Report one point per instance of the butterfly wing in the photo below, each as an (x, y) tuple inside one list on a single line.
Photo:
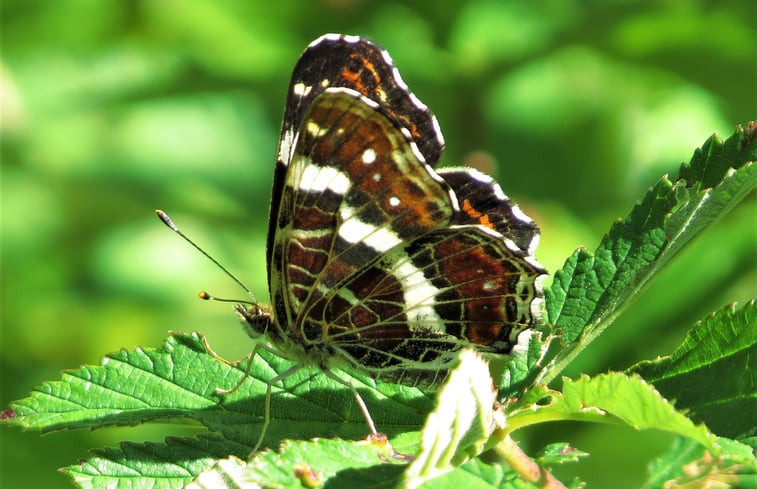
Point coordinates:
[(483, 202), (356, 187), (359, 64), (379, 265)]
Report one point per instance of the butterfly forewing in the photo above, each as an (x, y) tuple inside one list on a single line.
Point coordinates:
[(359, 64), (356, 188)]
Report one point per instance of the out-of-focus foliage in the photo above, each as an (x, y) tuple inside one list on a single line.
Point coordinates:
[(109, 110)]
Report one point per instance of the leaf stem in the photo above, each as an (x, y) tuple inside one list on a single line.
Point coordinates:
[(524, 466)]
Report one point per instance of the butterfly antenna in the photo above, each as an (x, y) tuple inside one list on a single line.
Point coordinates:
[(204, 295), (207, 297)]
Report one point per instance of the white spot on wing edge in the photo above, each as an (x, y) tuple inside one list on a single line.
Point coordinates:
[(398, 78), (520, 214), (323, 38), (479, 175), (417, 102), (437, 130), (387, 57), (285, 146), (301, 90)]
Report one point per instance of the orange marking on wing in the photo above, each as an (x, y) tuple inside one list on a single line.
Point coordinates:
[(483, 219), (349, 75), (370, 67)]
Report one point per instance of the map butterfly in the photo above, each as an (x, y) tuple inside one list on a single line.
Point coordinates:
[(377, 262)]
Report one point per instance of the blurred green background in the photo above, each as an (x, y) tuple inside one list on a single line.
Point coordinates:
[(113, 109)]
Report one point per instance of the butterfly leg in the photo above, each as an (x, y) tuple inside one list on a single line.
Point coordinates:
[(267, 411), (249, 357), (360, 402), (215, 355)]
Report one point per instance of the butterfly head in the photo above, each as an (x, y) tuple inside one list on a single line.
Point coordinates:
[(256, 319)]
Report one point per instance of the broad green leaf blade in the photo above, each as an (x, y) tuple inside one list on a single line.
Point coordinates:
[(615, 398), (713, 373), (308, 404), (592, 288), (461, 423), (687, 462), (299, 464), (172, 464), (128, 388), (179, 380)]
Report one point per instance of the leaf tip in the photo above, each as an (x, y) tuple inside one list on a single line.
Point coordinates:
[(749, 134)]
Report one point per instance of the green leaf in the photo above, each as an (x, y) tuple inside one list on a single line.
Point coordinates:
[(179, 381), (614, 398), (712, 374), (128, 388), (518, 370), (337, 464), (461, 423), (592, 288), (152, 465), (687, 462), (477, 474), (300, 464)]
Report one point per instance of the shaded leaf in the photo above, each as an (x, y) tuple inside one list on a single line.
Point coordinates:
[(179, 381), (151, 465), (687, 464), (712, 373)]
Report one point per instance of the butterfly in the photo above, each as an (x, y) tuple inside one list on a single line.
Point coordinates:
[(378, 262)]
